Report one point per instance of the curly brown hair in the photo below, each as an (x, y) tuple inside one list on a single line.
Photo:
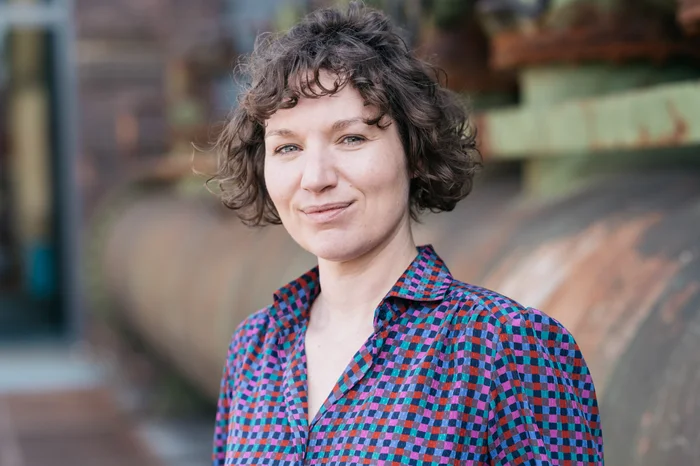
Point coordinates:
[(361, 48)]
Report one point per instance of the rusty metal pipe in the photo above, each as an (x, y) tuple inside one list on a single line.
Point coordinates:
[(618, 264)]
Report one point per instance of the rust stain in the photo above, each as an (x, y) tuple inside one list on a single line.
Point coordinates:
[(643, 445), (463, 53), (644, 442), (572, 277), (596, 35), (676, 136), (680, 126), (689, 16), (644, 136), (674, 304)]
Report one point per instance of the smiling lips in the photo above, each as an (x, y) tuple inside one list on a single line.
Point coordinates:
[(325, 212)]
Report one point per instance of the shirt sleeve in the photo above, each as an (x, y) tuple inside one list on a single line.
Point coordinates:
[(543, 407), (222, 413)]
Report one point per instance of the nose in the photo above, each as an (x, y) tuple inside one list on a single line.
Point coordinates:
[(319, 170)]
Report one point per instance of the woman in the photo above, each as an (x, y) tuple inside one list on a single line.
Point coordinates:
[(378, 355)]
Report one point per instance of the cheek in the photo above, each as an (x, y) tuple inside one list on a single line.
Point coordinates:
[(390, 180), (276, 184)]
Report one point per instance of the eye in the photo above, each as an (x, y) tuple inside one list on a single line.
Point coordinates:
[(286, 149), (352, 140)]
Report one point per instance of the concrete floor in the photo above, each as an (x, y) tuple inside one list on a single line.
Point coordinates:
[(59, 406)]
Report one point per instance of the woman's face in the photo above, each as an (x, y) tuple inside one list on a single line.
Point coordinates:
[(340, 186)]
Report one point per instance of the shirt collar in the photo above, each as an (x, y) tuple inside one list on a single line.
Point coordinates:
[(426, 279)]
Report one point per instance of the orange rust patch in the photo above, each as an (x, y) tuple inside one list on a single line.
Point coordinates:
[(596, 283), (676, 136), (689, 16), (670, 309), (598, 36)]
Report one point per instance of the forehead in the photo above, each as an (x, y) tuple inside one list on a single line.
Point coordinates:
[(323, 110), (347, 103)]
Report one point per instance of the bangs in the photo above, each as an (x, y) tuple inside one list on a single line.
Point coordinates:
[(306, 83)]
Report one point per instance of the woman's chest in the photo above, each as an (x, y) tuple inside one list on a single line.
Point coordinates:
[(327, 358), (385, 409)]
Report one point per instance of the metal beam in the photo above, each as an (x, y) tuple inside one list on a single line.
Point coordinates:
[(659, 117), (69, 201)]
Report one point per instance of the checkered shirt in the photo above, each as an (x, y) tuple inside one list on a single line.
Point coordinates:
[(454, 374)]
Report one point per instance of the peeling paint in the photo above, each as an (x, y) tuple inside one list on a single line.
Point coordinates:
[(621, 121), (677, 135), (583, 31)]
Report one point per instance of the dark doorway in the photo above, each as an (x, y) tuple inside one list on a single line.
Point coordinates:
[(37, 261), (29, 304)]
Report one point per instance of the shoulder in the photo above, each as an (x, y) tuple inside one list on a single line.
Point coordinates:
[(508, 320), (474, 304), (249, 334), (255, 323)]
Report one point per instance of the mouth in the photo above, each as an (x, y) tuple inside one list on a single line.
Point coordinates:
[(326, 212)]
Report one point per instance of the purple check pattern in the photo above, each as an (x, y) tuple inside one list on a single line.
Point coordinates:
[(454, 374)]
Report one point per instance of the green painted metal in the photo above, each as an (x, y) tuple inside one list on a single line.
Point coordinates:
[(657, 117), (569, 113), (547, 85)]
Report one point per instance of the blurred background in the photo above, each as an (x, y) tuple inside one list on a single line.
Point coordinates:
[(122, 278)]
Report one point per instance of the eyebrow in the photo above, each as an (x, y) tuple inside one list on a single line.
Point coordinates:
[(337, 126), (279, 132), (342, 124)]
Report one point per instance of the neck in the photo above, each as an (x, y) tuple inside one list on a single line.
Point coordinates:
[(350, 291)]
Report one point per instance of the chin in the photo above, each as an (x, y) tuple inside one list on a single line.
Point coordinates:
[(336, 246)]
